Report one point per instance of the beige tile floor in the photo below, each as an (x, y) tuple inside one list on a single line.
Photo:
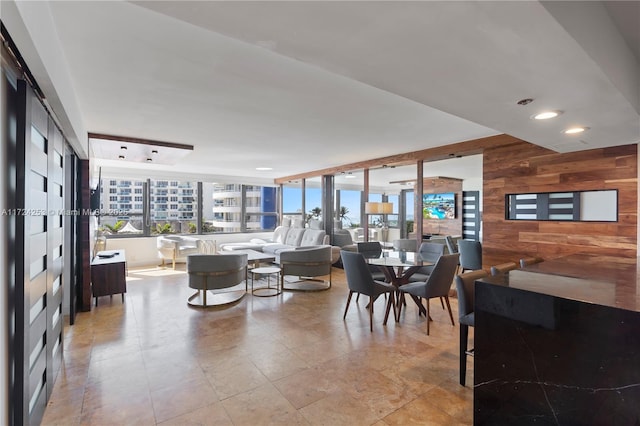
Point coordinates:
[(289, 359)]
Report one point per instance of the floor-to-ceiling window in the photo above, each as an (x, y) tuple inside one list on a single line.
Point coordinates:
[(121, 207), (133, 207), (313, 199)]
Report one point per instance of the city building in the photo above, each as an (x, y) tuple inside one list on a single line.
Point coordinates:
[(170, 202)]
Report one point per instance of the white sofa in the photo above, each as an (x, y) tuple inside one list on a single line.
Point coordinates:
[(284, 238), (176, 248), (288, 238)]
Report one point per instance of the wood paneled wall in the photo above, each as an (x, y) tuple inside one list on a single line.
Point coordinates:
[(436, 185), (523, 167)]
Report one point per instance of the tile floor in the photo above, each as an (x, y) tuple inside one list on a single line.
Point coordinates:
[(289, 359)]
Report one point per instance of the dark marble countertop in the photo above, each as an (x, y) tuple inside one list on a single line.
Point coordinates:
[(582, 277)]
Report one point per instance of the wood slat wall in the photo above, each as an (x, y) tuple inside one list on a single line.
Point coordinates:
[(522, 167)]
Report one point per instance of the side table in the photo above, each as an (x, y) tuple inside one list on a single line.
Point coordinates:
[(268, 290), (108, 274)]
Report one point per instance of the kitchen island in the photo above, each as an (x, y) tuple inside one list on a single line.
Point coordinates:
[(559, 343)]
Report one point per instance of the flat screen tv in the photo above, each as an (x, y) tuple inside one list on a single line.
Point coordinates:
[(439, 206)]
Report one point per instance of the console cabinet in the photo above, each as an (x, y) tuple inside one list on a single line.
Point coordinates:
[(108, 274)]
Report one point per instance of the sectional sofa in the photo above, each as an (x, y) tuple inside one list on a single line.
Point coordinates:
[(284, 238)]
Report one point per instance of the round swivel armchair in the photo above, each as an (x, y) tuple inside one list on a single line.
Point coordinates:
[(209, 272)]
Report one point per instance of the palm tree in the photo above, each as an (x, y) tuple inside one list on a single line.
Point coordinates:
[(164, 229), (115, 227), (343, 215), (315, 212)]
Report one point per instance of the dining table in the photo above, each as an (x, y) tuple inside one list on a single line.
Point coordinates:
[(398, 266)]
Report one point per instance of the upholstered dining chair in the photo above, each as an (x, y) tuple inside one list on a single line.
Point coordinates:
[(405, 244), (530, 260), (359, 281), (429, 252), (372, 249), (466, 317), (451, 244), (503, 268), (470, 255), (214, 272), (437, 285)]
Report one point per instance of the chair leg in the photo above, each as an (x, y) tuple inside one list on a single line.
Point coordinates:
[(173, 259), (346, 307), (446, 298), (464, 334), (390, 302), (428, 317), (357, 297), (442, 302), (371, 299)]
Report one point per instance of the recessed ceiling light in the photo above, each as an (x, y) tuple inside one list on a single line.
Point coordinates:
[(123, 148), (149, 160), (574, 130), (155, 151), (264, 168), (121, 157), (545, 115)]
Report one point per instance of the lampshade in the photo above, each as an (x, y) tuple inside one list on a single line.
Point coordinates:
[(373, 207), (387, 208)]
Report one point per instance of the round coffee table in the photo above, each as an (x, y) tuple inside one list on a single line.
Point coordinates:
[(268, 290)]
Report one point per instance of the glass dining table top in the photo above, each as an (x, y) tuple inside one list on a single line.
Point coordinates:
[(395, 258)]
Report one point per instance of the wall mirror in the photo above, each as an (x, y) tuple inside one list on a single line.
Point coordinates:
[(573, 206)]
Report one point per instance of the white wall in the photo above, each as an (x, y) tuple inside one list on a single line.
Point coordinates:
[(33, 31)]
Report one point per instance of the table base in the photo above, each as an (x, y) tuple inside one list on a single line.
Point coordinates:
[(307, 285), (206, 298), (267, 291)]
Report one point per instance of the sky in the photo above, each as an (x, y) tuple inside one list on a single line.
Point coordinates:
[(348, 198)]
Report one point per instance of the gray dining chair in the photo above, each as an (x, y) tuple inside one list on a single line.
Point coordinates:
[(470, 255), (372, 249), (466, 317), (451, 244), (359, 281), (405, 244), (429, 252), (437, 285)]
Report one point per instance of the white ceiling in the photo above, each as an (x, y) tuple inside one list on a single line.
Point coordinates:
[(301, 86)]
